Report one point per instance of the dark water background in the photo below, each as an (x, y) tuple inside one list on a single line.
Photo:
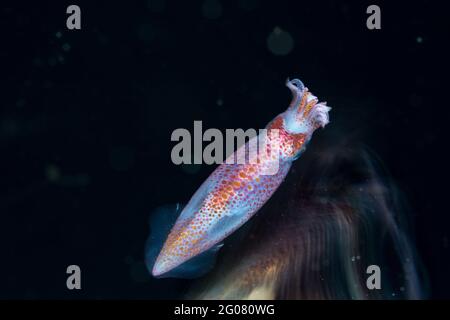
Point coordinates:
[(86, 118)]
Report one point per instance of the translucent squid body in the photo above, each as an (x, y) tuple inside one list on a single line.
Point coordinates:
[(233, 193)]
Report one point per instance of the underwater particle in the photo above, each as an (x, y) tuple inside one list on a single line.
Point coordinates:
[(419, 39), (52, 61), (20, 103), (146, 32), (83, 179), (66, 47), (78, 180), (219, 102), (212, 9), (47, 84), (58, 34), (53, 173), (156, 6), (37, 62), (102, 38), (121, 158), (345, 9), (280, 42), (138, 272), (190, 168), (9, 127), (30, 294), (415, 100), (248, 5), (402, 289), (129, 260)]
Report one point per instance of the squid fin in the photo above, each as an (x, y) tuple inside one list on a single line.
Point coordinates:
[(161, 222)]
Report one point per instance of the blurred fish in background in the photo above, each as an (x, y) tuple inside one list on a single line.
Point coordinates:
[(337, 214)]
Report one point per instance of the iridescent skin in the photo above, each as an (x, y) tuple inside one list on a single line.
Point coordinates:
[(233, 193)]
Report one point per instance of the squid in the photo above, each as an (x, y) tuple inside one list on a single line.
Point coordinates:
[(234, 192)]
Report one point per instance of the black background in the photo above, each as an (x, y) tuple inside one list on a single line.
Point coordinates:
[(86, 119)]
